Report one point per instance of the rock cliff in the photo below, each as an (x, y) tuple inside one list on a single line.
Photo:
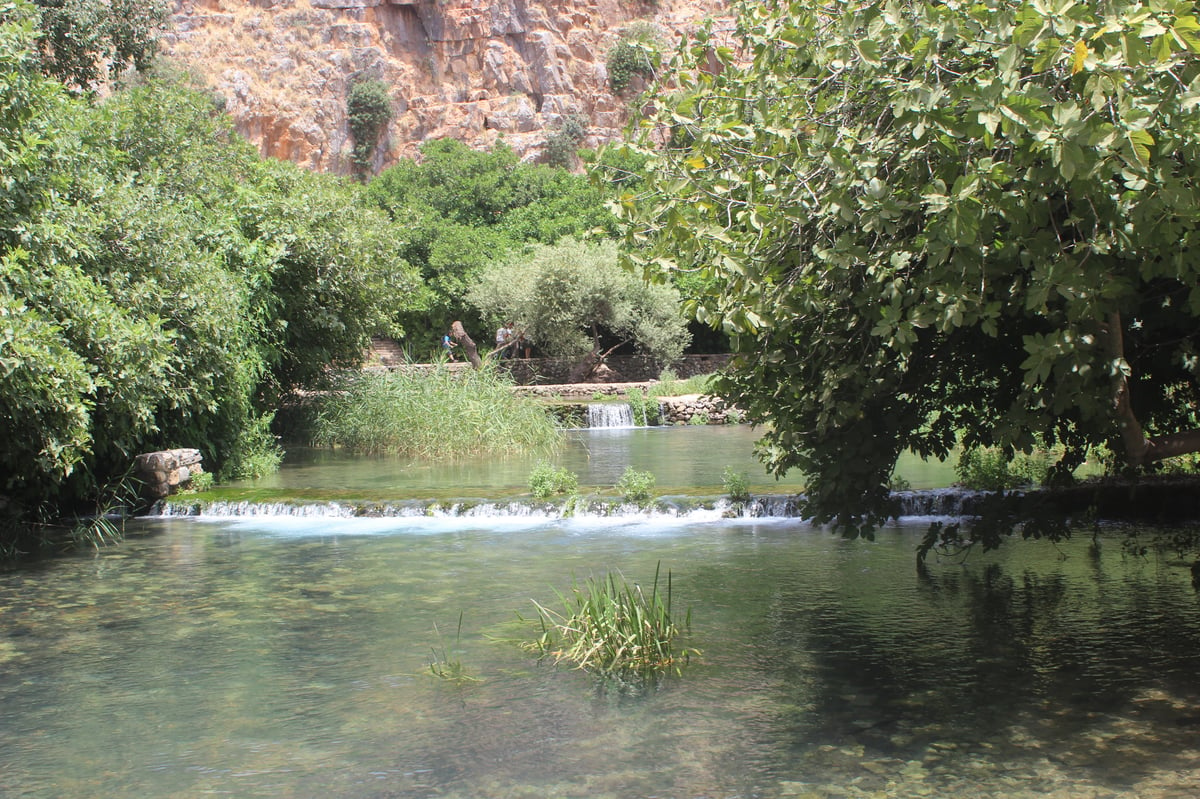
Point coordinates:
[(467, 69)]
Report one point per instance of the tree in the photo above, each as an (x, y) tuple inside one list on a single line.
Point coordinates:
[(462, 209), (575, 301), (86, 41), (160, 284), (936, 223)]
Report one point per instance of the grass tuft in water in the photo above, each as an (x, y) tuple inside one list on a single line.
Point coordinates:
[(445, 667), (441, 414), (613, 629)]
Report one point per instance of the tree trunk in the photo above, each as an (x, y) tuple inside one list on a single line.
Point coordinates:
[(459, 334), (582, 370), (1139, 450)]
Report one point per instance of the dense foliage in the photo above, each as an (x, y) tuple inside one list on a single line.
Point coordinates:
[(636, 53), (574, 300), (160, 285), (930, 223), (460, 209), (368, 110), (82, 42)]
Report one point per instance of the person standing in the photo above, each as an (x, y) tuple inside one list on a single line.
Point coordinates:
[(503, 337)]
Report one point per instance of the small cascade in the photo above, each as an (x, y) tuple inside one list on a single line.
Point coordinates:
[(941, 503), (610, 415)]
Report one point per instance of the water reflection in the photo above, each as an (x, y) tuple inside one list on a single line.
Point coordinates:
[(285, 658), (681, 459)]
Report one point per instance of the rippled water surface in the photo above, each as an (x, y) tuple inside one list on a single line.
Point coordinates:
[(290, 657)]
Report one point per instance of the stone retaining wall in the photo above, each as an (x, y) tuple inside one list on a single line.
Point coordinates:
[(547, 371), (686, 409), (697, 409), (621, 369)]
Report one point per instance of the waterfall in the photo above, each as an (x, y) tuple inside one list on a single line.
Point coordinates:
[(609, 414)]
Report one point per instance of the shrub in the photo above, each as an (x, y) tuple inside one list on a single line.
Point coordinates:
[(989, 469), (545, 481), (368, 110), (636, 486), (637, 53), (561, 145), (736, 485)]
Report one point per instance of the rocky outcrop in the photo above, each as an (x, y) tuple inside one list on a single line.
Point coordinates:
[(477, 71), (165, 472)]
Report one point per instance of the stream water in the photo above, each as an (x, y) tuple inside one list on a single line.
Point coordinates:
[(291, 657)]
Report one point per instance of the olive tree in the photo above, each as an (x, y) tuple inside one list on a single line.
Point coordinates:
[(933, 223), (575, 301)]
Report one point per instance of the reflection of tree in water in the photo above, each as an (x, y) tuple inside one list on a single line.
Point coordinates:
[(1086, 668)]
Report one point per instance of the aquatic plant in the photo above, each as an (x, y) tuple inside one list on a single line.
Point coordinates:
[(640, 406), (636, 485), (442, 665), (611, 628), (736, 485), (545, 480), (438, 414)]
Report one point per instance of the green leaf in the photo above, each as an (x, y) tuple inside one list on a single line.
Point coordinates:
[(1141, 141)]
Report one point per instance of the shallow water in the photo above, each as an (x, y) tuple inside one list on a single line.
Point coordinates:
[(682, 459), (290, 657)]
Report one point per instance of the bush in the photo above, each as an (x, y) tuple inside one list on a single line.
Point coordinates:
[(368, 110), (736, 485), (637, 53), (545, 481), (561, 145), (989, 469), (636, 486)]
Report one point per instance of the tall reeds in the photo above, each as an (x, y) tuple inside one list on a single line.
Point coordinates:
[(437, 414)]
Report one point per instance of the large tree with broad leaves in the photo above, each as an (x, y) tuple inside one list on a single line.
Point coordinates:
[(932, 224)]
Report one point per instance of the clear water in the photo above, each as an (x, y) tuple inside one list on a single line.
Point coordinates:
[(682, 459), (286, 657), (291, 656)]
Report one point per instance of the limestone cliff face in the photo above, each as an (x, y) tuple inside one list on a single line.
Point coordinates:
[(473, 70)]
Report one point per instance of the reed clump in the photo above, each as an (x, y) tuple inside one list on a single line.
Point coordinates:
[(439, 414), (614, 629)]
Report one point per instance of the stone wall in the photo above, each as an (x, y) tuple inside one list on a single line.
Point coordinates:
[(697, 409), (620, 369)]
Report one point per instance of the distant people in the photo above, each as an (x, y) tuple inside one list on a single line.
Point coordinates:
[(522, 346), (503, 338), (448, 345)]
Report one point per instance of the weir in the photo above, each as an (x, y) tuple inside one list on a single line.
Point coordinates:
[(949, 503)]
